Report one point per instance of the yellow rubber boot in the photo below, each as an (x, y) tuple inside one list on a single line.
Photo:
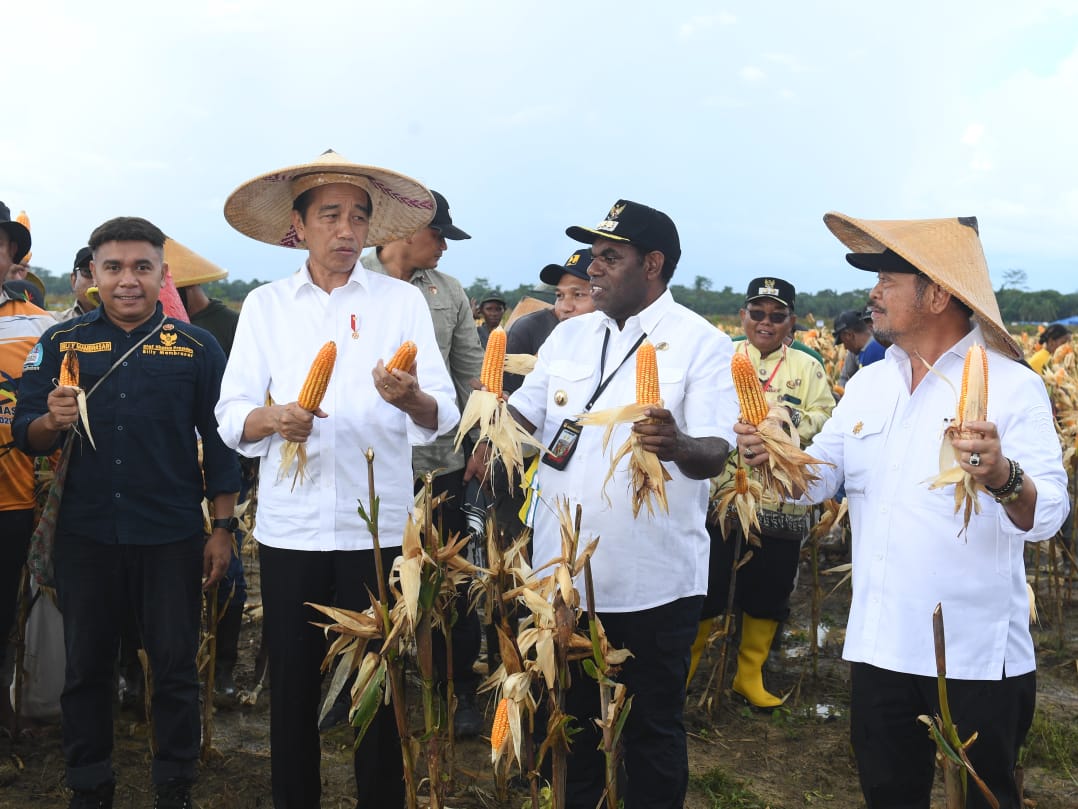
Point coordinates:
[(703, 632), (756, 637)]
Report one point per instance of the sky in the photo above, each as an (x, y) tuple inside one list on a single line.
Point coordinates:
[(744, 121)]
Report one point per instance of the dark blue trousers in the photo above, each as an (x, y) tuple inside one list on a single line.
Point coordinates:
[(98, 585)]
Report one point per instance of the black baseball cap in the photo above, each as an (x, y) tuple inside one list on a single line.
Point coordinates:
[(16, 231), (577, 264), (774, 288), (443, 222), (83, 259), (850, 319), (492, 297), (887, 261), (637, 224)]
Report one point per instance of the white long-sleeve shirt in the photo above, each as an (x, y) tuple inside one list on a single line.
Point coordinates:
[(282, 326), (908, 550), (650, 560)]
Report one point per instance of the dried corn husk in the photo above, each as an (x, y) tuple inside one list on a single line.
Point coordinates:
[(69, 377), (744, 492)]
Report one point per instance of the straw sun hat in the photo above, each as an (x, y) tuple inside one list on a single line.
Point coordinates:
[(188, 267), (262, 208), (948, 251)]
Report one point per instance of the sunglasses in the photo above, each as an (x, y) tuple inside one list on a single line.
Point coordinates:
[(758, 316)]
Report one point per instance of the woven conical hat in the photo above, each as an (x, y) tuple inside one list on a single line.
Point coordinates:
[(946, 250), (188, 267), (262, 208)]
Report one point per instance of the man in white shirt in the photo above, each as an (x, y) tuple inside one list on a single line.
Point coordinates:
[(650, 573), (932, 300), (313, 546)]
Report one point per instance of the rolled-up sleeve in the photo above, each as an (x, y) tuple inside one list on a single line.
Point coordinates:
[(1030, 439)]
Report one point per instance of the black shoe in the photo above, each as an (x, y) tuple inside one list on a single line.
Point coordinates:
[(225, 692), (467, 721), (175, 793), (100, 797)]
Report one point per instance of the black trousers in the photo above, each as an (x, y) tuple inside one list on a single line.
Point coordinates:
[(98, 585), (296, 649), (654, 743), (15, 529), (466, 631), (764, 584), (896, 758)]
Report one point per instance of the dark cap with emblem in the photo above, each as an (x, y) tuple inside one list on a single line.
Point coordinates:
[(492, 297), (16, 231), (850, 319), (636, 224), (774, 288), (443, 222), (83, 259), (576, 265)]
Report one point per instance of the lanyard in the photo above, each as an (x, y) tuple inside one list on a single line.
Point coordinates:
[(774, 371), (602, 367)]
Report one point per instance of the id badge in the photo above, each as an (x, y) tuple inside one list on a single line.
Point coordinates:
[(564, 444)]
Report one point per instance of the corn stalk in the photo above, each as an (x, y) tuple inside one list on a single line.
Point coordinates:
[(718, 671), (950, 749)]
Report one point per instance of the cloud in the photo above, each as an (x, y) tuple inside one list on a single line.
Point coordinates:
[(703, 22), (973, 134), (787, 60), (750, 73)]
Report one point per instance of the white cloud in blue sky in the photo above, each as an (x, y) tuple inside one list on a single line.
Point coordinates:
[(745, 121)]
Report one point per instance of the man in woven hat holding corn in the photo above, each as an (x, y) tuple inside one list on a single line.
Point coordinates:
[(650, 571), (916, 543), (313, 545)]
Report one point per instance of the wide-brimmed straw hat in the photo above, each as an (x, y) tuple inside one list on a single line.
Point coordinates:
[(948, 251), (262, 208), (188, 267)]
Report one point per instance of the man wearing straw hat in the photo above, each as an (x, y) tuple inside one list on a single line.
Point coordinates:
[(313, 546), (911, 547)]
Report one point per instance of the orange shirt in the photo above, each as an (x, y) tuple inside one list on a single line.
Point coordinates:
[(21, 324)]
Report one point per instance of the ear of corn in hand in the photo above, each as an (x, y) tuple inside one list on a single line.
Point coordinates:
[(973, 400), (647, 375), (403, 358), (69, 369), (314, 388), (750, 393), (494, 362)]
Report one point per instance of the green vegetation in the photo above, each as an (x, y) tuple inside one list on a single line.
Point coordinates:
[(1052, 743), (725, 792)]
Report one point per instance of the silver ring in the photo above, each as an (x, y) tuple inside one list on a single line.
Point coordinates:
[(975, 459), (749, 453)]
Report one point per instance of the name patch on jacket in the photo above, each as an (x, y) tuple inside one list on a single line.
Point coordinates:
[(85, 348)]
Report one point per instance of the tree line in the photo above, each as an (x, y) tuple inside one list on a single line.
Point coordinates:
[(1016, 305)]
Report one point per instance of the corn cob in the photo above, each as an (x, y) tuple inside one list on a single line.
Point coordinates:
[(494, 362), (741, 480), (69, 369), (750, 393), (314, 388), (404, 357), (973, 401), (647, 375), (501, 724)]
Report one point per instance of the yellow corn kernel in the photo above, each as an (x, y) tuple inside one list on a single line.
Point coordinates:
[(750, 393), (741, 480), (501, 724), (404, 357), (494, 362), (647, 375), (973, 401), (314, 388), (69, 369)]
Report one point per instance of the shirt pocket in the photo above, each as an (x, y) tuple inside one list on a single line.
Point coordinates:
[(170, 382), (444, 316), (568, 389), (863, 447), (671, 386)]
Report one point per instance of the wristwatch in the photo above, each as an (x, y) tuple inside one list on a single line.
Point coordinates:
[(230, 524)]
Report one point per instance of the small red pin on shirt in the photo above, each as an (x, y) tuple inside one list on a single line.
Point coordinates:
[(355, 334)]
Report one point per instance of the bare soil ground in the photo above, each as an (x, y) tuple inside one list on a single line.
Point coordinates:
[(796, 757)]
